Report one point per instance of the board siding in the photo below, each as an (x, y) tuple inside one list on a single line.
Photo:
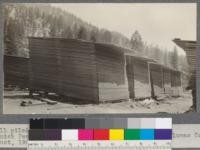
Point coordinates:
[(141, 79), (16, 71), (89, 71), (157, 79), (176, 83), (111, 71), (130, 76), (138, 77), (167, 81), (66, 67)]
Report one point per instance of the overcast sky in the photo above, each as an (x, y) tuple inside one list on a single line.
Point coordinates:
[(157, 23)]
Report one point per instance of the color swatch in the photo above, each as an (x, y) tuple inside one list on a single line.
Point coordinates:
[(163, 134), (132, 134), (101, 134), (116, 134), (74, 129), (85, 134), (147, 134), (70, 134)]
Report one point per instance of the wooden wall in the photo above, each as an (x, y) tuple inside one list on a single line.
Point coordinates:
[(111, 73), (64, 66)]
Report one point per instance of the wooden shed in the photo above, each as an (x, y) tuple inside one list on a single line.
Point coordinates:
[(165, 81), (138, 76), (78, 69), (16, 71), (190, 48)]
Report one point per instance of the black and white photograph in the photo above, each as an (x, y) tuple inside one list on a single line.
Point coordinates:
[(99, 58)]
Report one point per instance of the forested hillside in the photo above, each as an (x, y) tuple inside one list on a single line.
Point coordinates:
[(24, 20)]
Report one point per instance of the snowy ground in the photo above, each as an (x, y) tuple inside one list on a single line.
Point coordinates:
[(13, 98)]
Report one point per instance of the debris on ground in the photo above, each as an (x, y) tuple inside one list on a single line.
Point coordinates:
[(16, 100)]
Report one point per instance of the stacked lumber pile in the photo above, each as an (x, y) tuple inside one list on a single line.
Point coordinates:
[(130, 76), (185, 80), (111, 72), (78, 69), (141, 78), (179, 83), (44, 71), (156, 79), (16, 71), (66, 67), (176, 83), (167, 81), (89, 71)]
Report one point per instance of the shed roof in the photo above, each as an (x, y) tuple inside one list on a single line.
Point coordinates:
[(165, 67), (185, 44), (107, 45), (115, 47), (138, 56)]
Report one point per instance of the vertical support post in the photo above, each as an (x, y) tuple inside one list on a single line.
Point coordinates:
[(151, 81), (163, 83)]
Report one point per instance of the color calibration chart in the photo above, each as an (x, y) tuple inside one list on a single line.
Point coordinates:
[(100, 134)]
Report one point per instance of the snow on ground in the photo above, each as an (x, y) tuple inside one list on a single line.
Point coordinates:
[(13, 98)]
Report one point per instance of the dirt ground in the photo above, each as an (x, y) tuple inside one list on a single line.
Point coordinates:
[(13, 98)]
